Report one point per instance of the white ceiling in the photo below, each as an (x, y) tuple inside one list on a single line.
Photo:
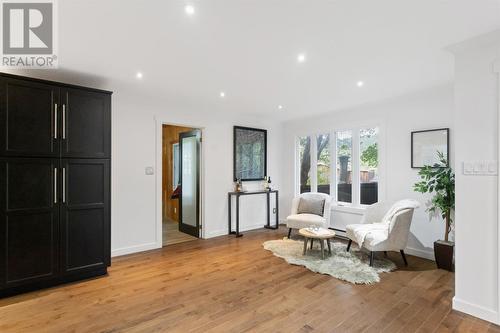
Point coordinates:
[(249, 49)]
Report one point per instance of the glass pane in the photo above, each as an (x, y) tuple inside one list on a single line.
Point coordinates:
[(368, 165), (176, 163), (305, 163), (189, 177), (344, 166), (323, 163)]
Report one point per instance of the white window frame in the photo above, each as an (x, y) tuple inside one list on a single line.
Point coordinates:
[(355, 164)]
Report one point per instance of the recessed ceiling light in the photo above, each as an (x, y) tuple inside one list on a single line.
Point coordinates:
[(189, 10), (360, 83), (301, 57), (222, 94), (138, 75), (280, 107)]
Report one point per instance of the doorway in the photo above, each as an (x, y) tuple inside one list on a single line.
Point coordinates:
[(181, 156)]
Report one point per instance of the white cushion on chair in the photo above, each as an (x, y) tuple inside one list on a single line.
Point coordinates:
[(298, 221)]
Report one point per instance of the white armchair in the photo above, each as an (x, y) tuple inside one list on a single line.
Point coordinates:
[(298, 221), (384, 227)]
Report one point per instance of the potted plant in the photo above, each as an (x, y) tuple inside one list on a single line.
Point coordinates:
[(439, 180)]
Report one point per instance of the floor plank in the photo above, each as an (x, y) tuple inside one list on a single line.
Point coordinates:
[(232, 284)]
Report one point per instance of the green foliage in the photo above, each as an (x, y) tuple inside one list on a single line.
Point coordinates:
[(439, 179), (369, 156), (344, 150)]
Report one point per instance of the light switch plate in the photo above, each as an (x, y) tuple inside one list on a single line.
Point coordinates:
[(150, 171), (480, 168)]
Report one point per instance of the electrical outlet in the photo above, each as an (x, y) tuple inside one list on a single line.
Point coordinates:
[(274, 210)]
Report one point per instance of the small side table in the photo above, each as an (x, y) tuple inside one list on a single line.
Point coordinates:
[(237, 195), (308, 235)]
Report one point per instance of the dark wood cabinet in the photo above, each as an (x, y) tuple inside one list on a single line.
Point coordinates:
[(86, 124), (85, 214), (55, 151), (28, 118), (29, 220)]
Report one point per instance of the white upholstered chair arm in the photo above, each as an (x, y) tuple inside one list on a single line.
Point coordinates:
[(399, 229), (327, 211), (295, 205), (374, 213)]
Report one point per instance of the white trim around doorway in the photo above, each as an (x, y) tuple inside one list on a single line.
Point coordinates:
[(159, 122)]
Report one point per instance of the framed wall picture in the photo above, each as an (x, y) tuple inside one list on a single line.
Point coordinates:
[(425, 146), (249, 153)]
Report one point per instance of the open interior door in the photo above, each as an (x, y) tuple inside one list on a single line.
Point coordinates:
[(189, 180)]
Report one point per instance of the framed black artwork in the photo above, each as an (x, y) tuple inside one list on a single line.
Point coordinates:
[(249, 153), (425, 146)]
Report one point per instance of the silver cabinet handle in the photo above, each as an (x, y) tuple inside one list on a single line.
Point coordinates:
[(55, 185), (55, 121), (64, 122), (64, 185)]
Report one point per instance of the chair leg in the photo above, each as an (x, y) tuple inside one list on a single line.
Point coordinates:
[(404, 257), (312, 241), (371, 258), (289, 232), (349, 245), (385, 254)]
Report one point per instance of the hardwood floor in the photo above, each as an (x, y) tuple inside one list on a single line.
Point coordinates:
[(172, 235), (234, 285)]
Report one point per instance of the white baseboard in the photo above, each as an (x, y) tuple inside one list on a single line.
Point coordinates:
[(420, 253), (133, 249), (222, 232), (475, 310)]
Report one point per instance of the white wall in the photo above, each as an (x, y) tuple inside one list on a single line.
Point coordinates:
[(135, 205), (476, 126), (396, 118)]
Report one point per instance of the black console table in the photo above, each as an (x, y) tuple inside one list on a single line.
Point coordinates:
[(238, 195)]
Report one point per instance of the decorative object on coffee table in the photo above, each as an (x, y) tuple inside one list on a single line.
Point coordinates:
[(320, 234), (439, 179)]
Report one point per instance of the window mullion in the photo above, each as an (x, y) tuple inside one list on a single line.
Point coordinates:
[(314, 163), (333, 165), (297, 165), (355, 167)]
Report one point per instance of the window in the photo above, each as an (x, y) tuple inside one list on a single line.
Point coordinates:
[(344, 166), (323, 163), (368, 165), (305, 164)]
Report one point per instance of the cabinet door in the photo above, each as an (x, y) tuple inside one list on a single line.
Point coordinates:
[(86, 128), (85, 215), (28, 118), (29, 221)]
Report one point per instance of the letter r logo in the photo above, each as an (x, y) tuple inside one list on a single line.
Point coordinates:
[(27, 28)]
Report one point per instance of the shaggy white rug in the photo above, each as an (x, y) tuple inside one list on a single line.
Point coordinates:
[(350, 266)]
